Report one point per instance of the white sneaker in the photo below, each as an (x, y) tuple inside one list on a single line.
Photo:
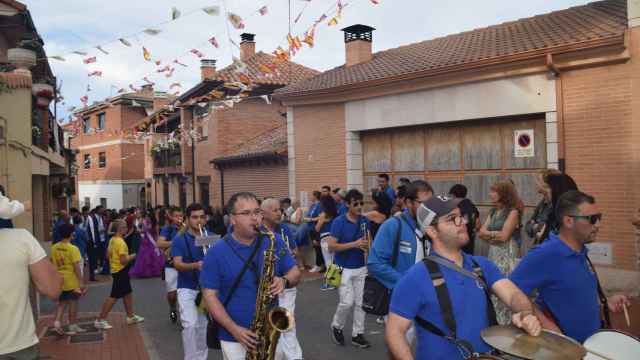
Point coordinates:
[(315, 269), (102, 324), (134, 319), (77, 329)]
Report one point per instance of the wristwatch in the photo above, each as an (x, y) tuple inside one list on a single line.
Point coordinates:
[(286, 283)]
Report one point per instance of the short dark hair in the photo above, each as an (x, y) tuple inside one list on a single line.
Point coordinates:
[(285, 201), (231, 204), (353, 194), (402, 191), (458, 190), (85, 208), (326, 187), (66, 230), (77, 220), (569, 202), (175, 209), (384, 176), (329, 206), (317, 194), (418, 186), (193, 207), (73, 210), (335, 190)]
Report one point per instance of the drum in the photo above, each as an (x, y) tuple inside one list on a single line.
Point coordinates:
[(614, 344)]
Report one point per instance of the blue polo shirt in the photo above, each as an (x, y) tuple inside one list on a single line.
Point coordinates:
[(346, 231), (566, 285), (80, 240), (169, 232), (185, 245), (414, 295), (222, 265), (390, 193)]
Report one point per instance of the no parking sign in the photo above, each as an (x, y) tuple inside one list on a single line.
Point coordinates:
[(523, 146)]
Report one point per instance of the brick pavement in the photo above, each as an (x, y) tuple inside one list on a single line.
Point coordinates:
[(122, 342)]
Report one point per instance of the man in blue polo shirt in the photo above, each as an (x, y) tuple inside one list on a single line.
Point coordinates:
[(415, 294), (224, 263), (348, 242), (562, 274), (167, 233), (187, 259), (383, 185), (339, 195)]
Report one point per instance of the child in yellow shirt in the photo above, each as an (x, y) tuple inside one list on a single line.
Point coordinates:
[(66, 258), (119, 260)]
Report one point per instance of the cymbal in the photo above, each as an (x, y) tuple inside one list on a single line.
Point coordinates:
[(548, 346)]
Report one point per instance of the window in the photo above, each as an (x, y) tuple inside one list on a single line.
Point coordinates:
[(102, 159), (87, 201), (103, 202), (101, 120), (204, 194), (86, 125), (87, 161), (165, 192)]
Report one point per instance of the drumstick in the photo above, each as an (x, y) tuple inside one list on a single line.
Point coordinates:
[(626, 314), (598, 354)]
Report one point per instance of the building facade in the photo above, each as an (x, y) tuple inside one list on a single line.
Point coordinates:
[(460, 109)]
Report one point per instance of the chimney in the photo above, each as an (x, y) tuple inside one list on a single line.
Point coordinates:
[(207, 69), (357, 43), (633, 13), (160, 100), (247, 46), (147, 90)]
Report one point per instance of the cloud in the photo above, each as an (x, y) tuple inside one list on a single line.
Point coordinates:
[(68, 25)]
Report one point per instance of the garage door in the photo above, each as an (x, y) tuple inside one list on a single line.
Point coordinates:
[(473, 153)]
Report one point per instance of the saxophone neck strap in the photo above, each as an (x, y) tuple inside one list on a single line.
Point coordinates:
[(247, 263)]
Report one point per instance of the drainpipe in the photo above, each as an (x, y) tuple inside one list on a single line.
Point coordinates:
[(554, 71), (5, 125), (221, 169)]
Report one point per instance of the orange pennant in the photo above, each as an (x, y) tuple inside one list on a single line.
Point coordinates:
[(146, 54)]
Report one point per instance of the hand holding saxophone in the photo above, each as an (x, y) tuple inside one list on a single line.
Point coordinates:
[(277, 286), (245, 336)]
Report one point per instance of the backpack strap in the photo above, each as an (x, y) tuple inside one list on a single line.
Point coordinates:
[(491, 311), (606, 321)]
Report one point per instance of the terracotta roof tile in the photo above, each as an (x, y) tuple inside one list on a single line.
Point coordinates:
[(288, 72), (15, 81), (270, 142), (594, 21)]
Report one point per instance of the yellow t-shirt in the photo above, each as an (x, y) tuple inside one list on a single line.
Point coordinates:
[(117, 247), (65, 256)]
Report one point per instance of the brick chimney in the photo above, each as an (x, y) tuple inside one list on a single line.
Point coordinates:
[(357, 42), (160, 100), (633, 12), (147, 90), (247, 46), (207, 69)]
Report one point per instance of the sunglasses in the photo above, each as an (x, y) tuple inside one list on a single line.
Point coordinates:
[(593, 219), (357, 203)]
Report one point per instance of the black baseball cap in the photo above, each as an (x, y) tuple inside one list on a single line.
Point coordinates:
[(435, 207)]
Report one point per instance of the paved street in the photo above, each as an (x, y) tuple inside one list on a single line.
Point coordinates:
[(313, 315)]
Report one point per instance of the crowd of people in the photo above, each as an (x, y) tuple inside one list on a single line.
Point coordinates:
[(412, 259)]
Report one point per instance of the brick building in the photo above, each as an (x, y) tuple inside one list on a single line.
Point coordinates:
[(110, 159), (448, 109), (228, 142)]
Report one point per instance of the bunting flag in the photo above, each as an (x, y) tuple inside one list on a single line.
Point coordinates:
[(333, 21), (88, 88), (90, 60), (236, 21), (175, 13), (146, 54), (263, 10), (102, 50), (81, 53), (124, 42), (158, 62), (164, 69), (265, 69), (151, 31), (322, 18), (57, 57), (281, 54), (179, 63), (196, 53), (84, 100), (174, 85), (266, 99), (122, 90), (309, 36), (214, 42), (217, 94), (170, 73), (95, 73), (212, 10), (146, 79)]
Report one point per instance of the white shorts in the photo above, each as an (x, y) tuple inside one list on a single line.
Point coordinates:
[(171, 279)]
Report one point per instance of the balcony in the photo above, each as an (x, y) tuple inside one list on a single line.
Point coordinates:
[(166, 161)]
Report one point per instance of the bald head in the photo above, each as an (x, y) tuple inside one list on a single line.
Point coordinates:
[(272, 214)]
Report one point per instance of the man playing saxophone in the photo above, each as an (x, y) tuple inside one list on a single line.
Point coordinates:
[(231, 275)]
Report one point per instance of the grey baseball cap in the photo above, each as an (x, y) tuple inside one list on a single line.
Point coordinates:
[(435, 207)]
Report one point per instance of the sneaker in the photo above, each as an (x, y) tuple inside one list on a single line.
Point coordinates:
[(134, 319), (325, 287), (76, 329), (337, 336), (360, 341), (102, 324), (57, 328), (380, 320), (173, 315), (315, 269)]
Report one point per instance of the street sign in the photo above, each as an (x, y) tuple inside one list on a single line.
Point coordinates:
[(523, 143)]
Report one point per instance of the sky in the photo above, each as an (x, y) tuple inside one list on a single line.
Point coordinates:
[(71, 25)]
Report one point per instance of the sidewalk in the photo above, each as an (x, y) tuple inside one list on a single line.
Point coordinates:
[(122, 342)]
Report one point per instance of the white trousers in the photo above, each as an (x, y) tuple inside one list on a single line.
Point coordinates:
[(171, 279), (288, 345), (232, 350), (326, 254), (351, 289), (194, 326)]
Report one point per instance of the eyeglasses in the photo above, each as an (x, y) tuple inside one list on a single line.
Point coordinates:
[(457, 220), (593, 219), (357, 203), (255, 213)]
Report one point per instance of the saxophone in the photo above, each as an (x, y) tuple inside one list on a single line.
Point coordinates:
[(268, 321)]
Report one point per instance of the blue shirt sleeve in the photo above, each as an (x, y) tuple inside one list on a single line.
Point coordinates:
[(178, 247), (166, 232), (390, 193), (210, 274), (530, 274), (285, 262), (406, 299), (379, 260), (336, 229)]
